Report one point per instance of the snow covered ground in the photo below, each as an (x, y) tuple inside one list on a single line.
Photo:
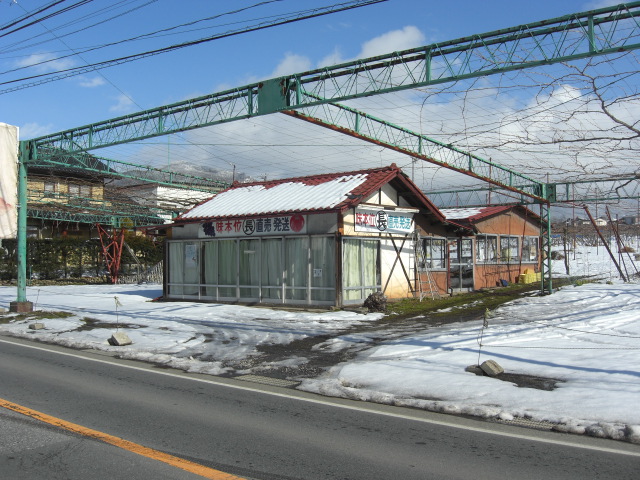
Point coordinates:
[(585, 337)]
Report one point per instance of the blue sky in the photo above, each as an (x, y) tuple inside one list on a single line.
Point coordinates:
[(476, 116), (234, 61)]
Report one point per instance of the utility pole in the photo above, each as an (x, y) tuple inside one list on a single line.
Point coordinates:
[(21, 305)]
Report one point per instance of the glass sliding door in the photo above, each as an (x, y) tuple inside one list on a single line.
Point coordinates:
[(227, 269), (210, 267), (249, 269), (272, 269)]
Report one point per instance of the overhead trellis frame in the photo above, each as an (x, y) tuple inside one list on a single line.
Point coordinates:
[(594, 33)]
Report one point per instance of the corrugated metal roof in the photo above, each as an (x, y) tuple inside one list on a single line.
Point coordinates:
[(303, 194)]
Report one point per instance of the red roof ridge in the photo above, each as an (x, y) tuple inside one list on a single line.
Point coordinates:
[(318, 177)]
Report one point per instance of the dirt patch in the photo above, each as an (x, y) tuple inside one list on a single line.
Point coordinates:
[(529, 381), (91, 324), (311, 356)]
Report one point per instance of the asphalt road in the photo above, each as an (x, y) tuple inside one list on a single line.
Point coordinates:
[(257, 432)]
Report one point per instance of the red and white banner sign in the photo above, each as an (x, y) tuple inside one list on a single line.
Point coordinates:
[(255, 227)]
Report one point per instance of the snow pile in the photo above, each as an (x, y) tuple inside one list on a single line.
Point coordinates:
[(584, 339), (196, 337)]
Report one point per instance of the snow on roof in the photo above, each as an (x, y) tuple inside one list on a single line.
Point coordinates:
[(290, 196), (476, 213), (325, 192), (459, 213)]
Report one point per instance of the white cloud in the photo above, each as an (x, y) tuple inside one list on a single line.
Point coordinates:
[(595, 4), (45, 62), (393, 41), (334, 58), (292, 63), (91, 82), (124, 104), (33, 130)]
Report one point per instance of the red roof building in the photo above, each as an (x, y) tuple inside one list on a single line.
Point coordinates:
[(334, 239), (330, 239), (504, 247)]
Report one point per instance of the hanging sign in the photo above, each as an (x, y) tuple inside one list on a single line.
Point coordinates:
[(255, 227), (385, 221)]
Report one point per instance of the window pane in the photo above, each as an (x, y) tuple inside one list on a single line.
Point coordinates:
[(371, 262), (529, 249), (176, 270), (351, 268), (297, 268), (509, 249), (533, 249), (191, 268), (249, 268), (492, 249), (481, 249), (453, 250), (466, 250)]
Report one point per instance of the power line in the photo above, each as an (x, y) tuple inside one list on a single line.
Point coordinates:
[(296, 17), (47, 17)]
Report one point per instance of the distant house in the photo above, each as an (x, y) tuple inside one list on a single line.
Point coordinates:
[(67, 198), (330, 239), (503, 245), (169, 201), (57, 191)]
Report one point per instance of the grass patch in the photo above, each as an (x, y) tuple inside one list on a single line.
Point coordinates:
[(470, 303), (8, 317)]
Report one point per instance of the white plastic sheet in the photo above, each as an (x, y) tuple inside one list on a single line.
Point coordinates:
[(8, 180)]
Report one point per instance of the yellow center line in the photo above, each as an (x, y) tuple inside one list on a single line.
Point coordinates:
[(178, 462)]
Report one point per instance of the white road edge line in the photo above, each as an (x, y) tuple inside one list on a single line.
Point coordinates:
[(337, 405)]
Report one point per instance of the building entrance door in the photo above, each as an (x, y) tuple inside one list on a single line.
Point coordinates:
[(460, 264)]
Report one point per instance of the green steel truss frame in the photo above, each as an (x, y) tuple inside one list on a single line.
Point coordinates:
[(108, 167), (371, 129), (582, 35), (101, 217), (609, 189), (598, 32), (71, 208)]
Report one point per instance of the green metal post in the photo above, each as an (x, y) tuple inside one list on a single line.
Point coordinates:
[(546, 285), (21, 304)]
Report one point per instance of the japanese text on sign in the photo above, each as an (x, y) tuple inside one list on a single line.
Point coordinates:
[(383, 221), (237, 227)]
